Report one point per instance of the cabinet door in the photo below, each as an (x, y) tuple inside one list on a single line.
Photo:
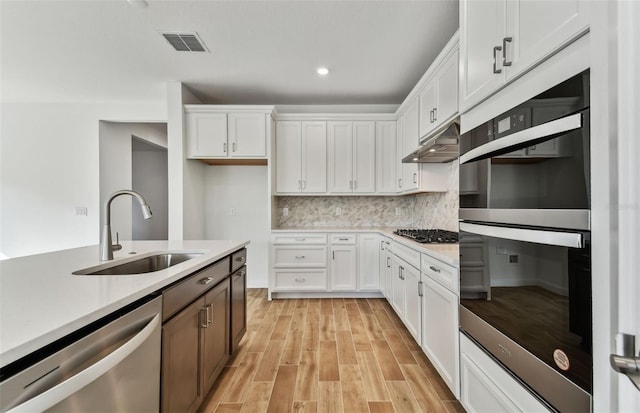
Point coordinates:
[(482, 27), (248, 135), (369, 259), (181, 373), (440, 331), (288, 156), (314, 155), (215, 348), (343, 267), (411, 128), (447, 86), (364, 157), (388, 274), (382, 266), (340, 156), (386, 162), (207, 135), (399, 151), (427, 107), (410, 178), (413, 302), (397, 286), (238, 307), (540, 28)]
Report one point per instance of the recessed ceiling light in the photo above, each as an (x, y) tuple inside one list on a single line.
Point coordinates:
[(322, 71), (138, 3)]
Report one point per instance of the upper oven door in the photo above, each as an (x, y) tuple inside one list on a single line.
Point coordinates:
[(530, 166)]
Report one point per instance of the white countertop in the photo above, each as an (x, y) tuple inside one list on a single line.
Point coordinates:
[(41, 301), (447, 253)]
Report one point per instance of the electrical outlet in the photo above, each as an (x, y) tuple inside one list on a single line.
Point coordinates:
[(338, 211), (501, 250), (82, 211), (398, 211), (285, 211), (513, 259), (232, 211)]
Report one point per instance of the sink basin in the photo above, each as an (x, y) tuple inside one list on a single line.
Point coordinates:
[(144, 265)]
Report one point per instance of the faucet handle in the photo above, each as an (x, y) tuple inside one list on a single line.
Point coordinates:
[(116, 246)]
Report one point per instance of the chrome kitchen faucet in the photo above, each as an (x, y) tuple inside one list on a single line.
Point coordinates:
[(106, 249)]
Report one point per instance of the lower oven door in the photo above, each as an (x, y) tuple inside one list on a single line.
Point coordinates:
[(533, 313)]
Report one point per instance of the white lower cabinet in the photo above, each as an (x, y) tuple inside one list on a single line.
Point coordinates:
[(486, 387), (369, 252), (413, 301), (397, 286), (343, 267), (440, 331)]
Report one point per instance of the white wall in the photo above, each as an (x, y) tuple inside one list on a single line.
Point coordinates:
[(116, 167), (244, 189), (49, 165), (186, 177), (150, 178)]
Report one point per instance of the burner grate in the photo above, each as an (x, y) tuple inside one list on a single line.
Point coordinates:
[(429, 236)]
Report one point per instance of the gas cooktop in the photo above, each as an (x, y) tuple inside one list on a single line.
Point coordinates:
[(429, 236)]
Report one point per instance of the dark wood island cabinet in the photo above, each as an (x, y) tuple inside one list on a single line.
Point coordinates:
[(204, 319)]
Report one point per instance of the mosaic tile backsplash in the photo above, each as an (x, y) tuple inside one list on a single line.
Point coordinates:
[(430, 210)]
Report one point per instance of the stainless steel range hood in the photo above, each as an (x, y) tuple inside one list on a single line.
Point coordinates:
[(438, 147)]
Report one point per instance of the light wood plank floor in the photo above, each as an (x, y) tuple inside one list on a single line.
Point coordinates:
[(327, 355)]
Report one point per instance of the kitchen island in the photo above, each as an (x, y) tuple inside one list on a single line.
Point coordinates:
[(41, 300)]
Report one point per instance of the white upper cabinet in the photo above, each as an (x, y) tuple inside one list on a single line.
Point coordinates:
[(206, 134), (502, 39), (301, 161), (410, 176), (439, 97), (212, 132), (247, 135), (539, 28), (351, 157), (482, 27), (386, 160)]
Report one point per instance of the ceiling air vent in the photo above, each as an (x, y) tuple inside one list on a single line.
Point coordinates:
[(184, 42)]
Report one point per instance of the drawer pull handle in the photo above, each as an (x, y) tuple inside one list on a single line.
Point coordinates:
[(300, 257), (209, 311), (241, 273), (301, 239), (343, 239), (240, 259), (301, 280), (436, 269), (206, 281)]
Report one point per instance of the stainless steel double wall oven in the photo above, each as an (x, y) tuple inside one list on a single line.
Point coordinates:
[(526, 298)]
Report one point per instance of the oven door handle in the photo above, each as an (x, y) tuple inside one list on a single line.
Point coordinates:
[(561, 239), (547, 130)]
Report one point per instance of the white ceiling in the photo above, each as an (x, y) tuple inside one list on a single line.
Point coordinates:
[(262, 52)]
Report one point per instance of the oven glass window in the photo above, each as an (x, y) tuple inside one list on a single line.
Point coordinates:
[(537, 295), (551, 172)]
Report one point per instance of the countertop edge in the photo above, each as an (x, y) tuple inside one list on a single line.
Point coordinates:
[(23, 349)]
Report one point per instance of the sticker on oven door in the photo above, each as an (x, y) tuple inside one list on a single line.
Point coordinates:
[(561, 359)]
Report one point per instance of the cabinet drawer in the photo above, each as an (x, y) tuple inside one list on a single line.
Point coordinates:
[(349, 239), (407, 254), (291, 280), (299, 238), (238, 259), (179, 295), (299, 256), (438, 271)]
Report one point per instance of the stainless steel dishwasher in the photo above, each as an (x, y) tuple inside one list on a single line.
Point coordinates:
[(113, 365)]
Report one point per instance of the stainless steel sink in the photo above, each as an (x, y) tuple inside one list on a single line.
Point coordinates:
[(143, 265)]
